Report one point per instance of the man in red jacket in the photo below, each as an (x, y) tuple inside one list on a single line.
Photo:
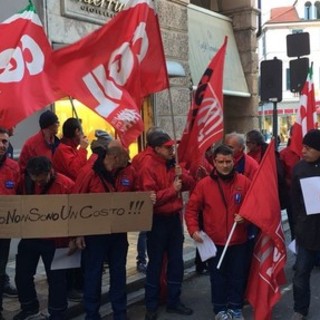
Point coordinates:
[(41, 179), (9, 180), (71, 154), (220, 196), (43, 143), (160, 174), (105, 176)]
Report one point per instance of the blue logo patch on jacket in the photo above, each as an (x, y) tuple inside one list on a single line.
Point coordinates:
[(237, 198), (125, 182), (9, 184)]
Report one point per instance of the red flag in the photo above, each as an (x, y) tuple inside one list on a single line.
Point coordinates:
[(261, 207), (114, 68), (205, 118), (25, 53), (306, 116)]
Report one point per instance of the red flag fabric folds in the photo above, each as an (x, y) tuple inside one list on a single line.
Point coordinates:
[(261, 207), (25, 53), (114, 68), (306, 116), (205, 118)]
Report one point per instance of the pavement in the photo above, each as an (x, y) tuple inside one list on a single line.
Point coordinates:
[(135, 285), (135, 282)]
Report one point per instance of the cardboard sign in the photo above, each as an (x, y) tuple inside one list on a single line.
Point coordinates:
[(46, 216)]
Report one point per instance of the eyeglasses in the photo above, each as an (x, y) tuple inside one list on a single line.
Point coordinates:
[(4, 141)]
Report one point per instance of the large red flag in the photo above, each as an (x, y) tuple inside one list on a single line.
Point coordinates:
[(306, 116), (261, 207), (114, 68), (25, 53), (205, 119)]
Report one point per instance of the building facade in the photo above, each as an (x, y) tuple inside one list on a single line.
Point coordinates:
[(302, 16), (66, 21)]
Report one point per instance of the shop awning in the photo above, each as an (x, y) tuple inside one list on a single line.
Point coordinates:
[(207, 30)]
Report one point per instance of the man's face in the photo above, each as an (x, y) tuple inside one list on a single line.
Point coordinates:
[(4, 144), (233, 143), (223, 163), (41, 179), (166, 152), (309, 154), (54, 128)]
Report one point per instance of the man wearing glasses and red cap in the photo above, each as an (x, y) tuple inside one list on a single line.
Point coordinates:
[(160, 173)]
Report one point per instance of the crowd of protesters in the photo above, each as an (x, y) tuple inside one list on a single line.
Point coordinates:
[(216, 185)]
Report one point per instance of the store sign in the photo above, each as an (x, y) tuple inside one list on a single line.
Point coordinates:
[(97, 11)]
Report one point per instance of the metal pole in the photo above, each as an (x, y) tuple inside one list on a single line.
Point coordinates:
[(275, 124), (173, 126)]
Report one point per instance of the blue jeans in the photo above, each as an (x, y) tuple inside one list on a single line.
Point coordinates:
[(114, 247), (305, 261), (228, 284), (4, 254), (166, 236), (27, 259), (142, 247)]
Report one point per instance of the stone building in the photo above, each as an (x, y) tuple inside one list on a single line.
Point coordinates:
[(66, 21)]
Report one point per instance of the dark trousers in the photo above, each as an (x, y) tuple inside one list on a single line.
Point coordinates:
[(114, 247), (4, 254), (229, 282), (166, 236), (142, 247), (305, 262), (27, 259)]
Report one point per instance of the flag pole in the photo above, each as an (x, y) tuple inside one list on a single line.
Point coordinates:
[(226, 245), (73, 107), (173, 125)]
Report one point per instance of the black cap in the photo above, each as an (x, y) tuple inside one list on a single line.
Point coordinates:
[(47, 119), (312, 139)]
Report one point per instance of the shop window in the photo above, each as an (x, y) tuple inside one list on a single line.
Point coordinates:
[(317, 10), (91, 121), (307, 11)]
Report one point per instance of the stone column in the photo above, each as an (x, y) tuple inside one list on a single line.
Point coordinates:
[(241, 113)]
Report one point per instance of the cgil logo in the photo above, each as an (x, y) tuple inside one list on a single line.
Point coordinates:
[(15, 61)]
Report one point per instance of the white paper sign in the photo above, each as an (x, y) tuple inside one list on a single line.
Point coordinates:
[(61, 260), (207, 248), (293, 247), (311, 194)]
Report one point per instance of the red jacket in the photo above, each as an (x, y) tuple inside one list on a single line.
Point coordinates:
[(289, 160), (9, 177), (69, 160), (218, 219), (155, 176), (139, 159), (60, 185), (88, 181), (250, 165), (36, 146)]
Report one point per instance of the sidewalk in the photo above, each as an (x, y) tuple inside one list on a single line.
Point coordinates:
[(135, 282)]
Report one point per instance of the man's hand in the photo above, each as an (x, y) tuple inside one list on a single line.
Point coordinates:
[(72, 247), (153, 197), (238, 219), (84, 142), (81, 244), (178, 170), (177, 184), (196, 237)]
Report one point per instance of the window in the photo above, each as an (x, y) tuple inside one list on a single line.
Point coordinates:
[(317, 10), (294, 31), (307, 11)]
